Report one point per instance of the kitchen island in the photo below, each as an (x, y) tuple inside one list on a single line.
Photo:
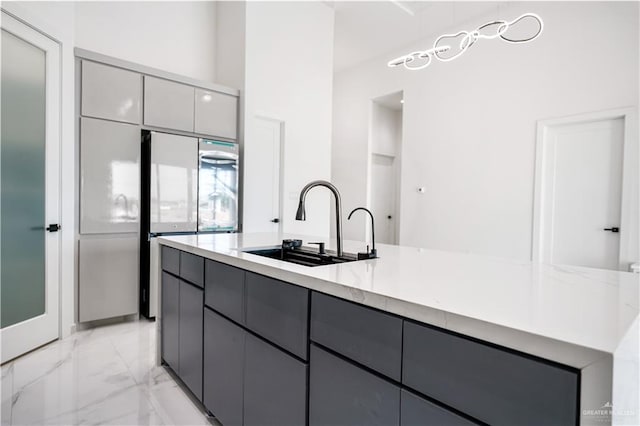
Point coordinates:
[(414, 334)]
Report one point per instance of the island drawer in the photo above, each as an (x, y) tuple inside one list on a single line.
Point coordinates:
[(192, 268), (416, 411), (224, 290), (495, 385), (171, 260), (278, 311), (367, 336), (341, 393)]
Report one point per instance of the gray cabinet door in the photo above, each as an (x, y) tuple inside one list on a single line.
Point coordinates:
[(275, 386), (110, 93), (493, 385), (171, 260), (170, 321), (223, 368), (216, 114), (109, 177), (341, 393), (224, 290), (365, 335), (192, 268), (191, 311), (278, 311), (107, 277), (416, 411), (168, 104)]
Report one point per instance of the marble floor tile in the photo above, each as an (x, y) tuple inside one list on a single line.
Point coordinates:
[(104, 375)]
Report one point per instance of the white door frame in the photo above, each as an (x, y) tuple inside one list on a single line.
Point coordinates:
[(543, 193), (25, 336)]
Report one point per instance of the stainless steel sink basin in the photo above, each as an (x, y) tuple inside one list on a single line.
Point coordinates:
[(302, 256)]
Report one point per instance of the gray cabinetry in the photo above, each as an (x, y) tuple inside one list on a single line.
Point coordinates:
[(279, 312), (170, 320), (370, 337), (109, 177), (190, 337), (488, 383), (107, 277), (110, 93), (341, 393), (223, 368), (216, 114), (192, 268), (416, 411), (224, 289), (171, 260), (275, 386), (168, 104)]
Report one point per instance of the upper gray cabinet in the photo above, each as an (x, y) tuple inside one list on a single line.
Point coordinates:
[(111, 93), (216, 114), (168, 104)]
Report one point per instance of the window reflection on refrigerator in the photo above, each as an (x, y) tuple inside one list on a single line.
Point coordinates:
[(217, 192)]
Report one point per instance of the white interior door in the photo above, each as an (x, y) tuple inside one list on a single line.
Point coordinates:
[(383, 197), (30, 156), (582, 193), (263, 189)]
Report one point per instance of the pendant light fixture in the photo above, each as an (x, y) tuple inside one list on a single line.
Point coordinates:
[(443, 51)]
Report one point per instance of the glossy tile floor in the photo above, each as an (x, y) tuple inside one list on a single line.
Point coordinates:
[(105, 375)]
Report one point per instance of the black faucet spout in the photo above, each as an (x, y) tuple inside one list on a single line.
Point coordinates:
[(373, 253), (301, 214)]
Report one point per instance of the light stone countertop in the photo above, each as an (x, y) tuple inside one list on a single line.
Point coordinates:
[(581, 317)]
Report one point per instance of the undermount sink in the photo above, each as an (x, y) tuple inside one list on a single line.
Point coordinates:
[(302, 256)]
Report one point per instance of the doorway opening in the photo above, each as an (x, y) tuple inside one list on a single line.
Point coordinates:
[(385, 142)]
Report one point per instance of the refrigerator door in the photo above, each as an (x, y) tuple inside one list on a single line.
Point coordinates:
[(218, 189), (174, 183)]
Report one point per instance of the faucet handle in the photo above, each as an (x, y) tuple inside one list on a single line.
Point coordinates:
[(320, 247)]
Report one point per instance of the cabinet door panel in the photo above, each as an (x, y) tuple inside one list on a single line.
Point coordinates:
[(191, 306), (341, 393), (278, 311), (170, 301), (416, 411), (171, 260), (216, 114), (496, 386), (224, 290), (365, 335), (110, 93), (223, 368), (168, 104), (107, 277), (192, 268), (109, 177), (275, 386)]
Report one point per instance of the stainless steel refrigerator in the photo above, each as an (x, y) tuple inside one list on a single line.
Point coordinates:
[(188, 186)]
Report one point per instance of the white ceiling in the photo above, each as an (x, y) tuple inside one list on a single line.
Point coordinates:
[(367, 29)]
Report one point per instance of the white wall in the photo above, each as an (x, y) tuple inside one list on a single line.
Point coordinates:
[(174, 36), (289, 71), (56, 19), (230, 43), (469, 125)]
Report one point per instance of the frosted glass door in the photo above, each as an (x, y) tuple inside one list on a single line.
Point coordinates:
[(29, 175), (23, 165)]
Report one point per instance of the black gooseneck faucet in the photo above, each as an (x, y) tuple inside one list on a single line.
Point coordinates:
[(373, 253), (301, 214)]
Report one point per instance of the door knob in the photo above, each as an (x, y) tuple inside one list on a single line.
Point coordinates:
[(613, 229), (54, 227), (276, 220)]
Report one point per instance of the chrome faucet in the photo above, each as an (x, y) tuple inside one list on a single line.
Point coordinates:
[(301, 214)]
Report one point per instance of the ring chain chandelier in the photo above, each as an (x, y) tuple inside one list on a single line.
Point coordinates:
[(494, 29)]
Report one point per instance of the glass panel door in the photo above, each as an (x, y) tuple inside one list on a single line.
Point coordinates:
[(22, 158), (29, 184)]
